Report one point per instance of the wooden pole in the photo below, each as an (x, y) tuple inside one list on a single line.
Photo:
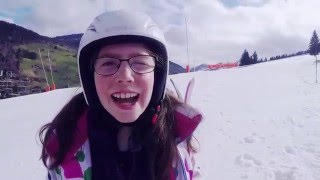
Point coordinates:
[(44, 71)]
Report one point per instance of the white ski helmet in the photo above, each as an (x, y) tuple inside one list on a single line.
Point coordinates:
[(122, 26)]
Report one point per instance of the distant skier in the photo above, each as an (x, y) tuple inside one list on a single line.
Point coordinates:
[(124, 125)]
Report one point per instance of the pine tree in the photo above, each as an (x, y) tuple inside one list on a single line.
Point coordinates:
[(314, 49), (314, 44), (254, 58), (245, 58)]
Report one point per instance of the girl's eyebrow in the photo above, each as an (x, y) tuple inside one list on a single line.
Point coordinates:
[(116, 55)]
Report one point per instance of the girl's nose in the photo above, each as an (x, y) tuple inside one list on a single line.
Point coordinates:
[(124, 73)]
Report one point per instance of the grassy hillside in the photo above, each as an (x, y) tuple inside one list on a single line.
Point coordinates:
[(63, 63)]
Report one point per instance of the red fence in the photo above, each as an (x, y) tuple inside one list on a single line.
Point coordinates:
[(222, 66)]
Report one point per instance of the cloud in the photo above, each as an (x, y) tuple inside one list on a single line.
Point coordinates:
[(237, 3), (10, 20), (251, 2), (14, 4), (218, 31), (52, 18)]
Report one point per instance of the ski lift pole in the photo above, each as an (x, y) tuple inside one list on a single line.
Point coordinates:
[(316, 70), (44, 71), (188, 66), (53, 85)]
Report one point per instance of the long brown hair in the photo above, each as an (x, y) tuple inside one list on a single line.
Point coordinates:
[(162, 152), (62, 127)]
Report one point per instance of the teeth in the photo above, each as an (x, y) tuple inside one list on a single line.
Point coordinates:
[(124, 95)]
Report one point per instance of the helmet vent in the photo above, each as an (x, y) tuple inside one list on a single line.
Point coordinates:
[(92, 28)]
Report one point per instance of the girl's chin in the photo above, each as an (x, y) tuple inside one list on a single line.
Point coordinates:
[(125, 120), (126, 116), (124, 112)]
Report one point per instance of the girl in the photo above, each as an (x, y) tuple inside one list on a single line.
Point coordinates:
[(124, 125)]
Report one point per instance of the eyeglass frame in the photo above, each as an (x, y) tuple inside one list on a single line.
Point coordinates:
[(155, 59)]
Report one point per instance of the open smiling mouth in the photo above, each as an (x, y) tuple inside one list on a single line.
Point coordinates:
[(130, 98)]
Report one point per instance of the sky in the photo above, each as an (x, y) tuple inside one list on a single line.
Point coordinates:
[(257, 125), (218, 30)]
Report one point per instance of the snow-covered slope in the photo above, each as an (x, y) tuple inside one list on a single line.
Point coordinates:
[(262, 122), (21, 119)]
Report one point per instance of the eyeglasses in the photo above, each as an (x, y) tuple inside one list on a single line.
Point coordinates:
[(140, 64)]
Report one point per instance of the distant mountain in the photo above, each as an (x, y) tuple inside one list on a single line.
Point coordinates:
[(12, 33), (72, 40), (175, 68), (201, 67)]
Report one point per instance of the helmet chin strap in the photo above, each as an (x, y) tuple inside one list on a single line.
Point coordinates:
[(155, 116)]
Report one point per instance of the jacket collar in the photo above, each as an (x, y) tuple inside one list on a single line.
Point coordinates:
[(187, 120)]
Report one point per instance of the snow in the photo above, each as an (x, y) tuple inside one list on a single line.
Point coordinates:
[(262, 122)]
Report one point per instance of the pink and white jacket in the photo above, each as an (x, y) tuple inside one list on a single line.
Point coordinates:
[(77, 164)]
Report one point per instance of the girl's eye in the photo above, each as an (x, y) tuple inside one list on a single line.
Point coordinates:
[(109, 63), (140, 64)]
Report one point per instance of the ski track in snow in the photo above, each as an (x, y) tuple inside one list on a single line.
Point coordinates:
[(262, 122)]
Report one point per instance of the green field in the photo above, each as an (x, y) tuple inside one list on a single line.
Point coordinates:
[(63, 64)]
